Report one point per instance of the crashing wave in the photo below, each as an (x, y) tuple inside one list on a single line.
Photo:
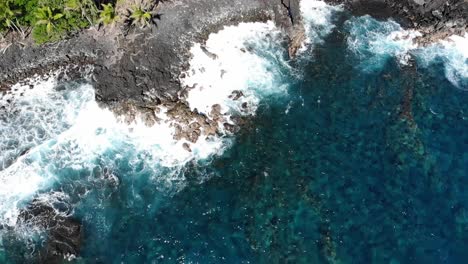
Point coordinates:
[(83, 141), (94, 138), (236, 67), (453, 53), (374, 42), (27, 121), (318, 21)]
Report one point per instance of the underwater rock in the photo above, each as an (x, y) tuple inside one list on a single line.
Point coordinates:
[(236, 94), (229, 127), (64, 233)]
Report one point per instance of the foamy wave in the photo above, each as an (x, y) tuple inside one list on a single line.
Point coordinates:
[(17, 183), (244, 61), (318, 20), (90, 137), (85, 138), (236, 68), (27, 121), (374, 42), (453, 53)]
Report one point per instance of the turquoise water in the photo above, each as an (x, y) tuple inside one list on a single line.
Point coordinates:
[(363, 161)]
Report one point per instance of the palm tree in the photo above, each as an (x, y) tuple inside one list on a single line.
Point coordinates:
[(143, 14), (7, 15), (87, 8), (107, 14), (140, 16), (46, 17)]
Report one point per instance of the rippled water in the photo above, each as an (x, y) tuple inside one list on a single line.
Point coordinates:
[(356, 154)]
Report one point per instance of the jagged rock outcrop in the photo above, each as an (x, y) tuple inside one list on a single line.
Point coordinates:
[(294, 10), (435, 19), (296, 33), (139, 65), (149, 68), (64, 234)]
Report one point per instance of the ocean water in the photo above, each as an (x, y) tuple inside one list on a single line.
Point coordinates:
[(356, 152)]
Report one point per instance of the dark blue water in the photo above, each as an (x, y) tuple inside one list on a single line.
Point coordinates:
[(352, 166)]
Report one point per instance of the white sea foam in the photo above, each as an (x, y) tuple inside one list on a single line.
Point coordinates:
[(374, 42), (18, 182), (318, 21), (453, 52), (81, 137), (26, 121), (75, 141), (52, 135), (247, 58)]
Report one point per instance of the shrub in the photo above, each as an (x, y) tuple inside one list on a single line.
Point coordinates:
[(16, 13), (46, 17), (142, 15), (66, 17), (86, 8), (27, 8), (7, 15), (107, 15)]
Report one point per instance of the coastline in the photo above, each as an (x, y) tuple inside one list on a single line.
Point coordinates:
[(134, 72), (144, 65), (436, 20), (127, 66)]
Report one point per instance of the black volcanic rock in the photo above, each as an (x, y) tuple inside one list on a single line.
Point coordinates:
[(64, 234), (149, 68), (294, 9), (138, 65), (143, 66)]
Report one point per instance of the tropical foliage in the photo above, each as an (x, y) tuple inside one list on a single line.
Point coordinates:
[(53, 20), (16, 13), (7, 15), (107, 15), (143, 14), (46, 17), (65, 17), (86, 8)]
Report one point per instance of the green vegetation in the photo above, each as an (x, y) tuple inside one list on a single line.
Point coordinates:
[(7, 15), (53, 20), (50, 20), (56, 19), (16, 13), (107, 15), (142, 15), (47, 18)]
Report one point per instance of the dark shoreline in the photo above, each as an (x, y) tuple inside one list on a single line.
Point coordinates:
[(144, 66)]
